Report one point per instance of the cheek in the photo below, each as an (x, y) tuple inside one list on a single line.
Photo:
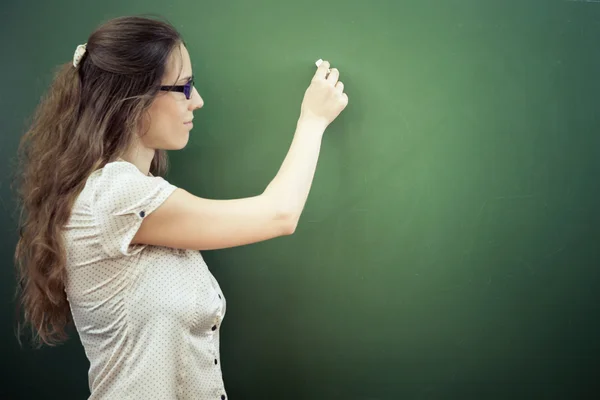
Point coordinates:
[(163, 117)]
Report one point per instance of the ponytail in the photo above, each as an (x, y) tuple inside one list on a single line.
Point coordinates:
[(45, 200)]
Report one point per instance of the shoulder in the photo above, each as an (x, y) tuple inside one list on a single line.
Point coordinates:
[(120, 197), (119, 170), (119, 173), (121, 183)]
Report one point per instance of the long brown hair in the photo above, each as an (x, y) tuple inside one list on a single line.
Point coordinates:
[(88, 117)]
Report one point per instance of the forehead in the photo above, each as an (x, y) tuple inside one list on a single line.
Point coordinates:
[(179, 65)]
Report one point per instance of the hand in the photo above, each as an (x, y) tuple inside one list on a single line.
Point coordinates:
[(324, 99)]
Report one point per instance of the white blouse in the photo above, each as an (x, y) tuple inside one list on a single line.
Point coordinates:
[(148, 316)]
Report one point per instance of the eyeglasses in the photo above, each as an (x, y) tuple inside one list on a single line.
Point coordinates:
[(185, 89)]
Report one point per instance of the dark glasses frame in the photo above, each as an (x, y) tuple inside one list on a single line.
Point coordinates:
[(185, 89)]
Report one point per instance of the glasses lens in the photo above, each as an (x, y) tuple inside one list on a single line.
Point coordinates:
[(187, 89)]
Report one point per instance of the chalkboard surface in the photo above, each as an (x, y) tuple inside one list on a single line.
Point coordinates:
[(449, 245)]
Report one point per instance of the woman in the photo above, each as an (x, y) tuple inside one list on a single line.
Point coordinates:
[(108, 244)]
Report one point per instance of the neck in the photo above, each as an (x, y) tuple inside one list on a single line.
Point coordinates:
[(141, 157)]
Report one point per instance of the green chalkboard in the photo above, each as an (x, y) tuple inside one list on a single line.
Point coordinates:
[(449, 245)]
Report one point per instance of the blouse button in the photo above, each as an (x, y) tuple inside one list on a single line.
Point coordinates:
[(142, 214), (214, 327)]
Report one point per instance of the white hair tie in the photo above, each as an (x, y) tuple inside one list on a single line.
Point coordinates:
[(79, 52)]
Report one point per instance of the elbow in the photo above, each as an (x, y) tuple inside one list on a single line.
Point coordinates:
[(288, 223), (285, 216)]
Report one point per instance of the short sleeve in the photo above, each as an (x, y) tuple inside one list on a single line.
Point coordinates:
[(123, 197)]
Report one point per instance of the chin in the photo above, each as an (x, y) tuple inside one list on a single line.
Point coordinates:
[(180, 144)]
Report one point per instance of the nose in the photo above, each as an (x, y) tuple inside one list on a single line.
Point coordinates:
[(196, 101)]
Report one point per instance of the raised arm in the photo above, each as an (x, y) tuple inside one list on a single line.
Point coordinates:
[(190, 222)]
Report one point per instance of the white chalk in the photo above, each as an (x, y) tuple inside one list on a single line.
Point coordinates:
[(318, 64)]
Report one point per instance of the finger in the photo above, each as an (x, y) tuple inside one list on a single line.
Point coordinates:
[(344, 99), (339, 86), (322, 70), (333, 76)]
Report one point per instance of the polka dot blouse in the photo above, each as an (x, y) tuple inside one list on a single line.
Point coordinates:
[(148, 316)]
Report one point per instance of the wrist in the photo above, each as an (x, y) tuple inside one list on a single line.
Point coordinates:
[(312, 124)]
